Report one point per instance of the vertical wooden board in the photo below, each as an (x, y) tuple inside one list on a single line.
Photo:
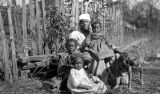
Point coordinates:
[(24, 27), (77, 14), (57, 3), (44, 24), (14, 63), (73, 10), (32, 26), (5, 52), (38, 27)]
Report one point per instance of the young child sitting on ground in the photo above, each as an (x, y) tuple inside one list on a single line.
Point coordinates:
[(79, 82)]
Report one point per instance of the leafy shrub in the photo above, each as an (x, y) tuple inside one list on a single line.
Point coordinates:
[(57, 30)]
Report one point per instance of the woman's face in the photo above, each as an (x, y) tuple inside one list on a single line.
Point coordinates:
[(78, 63), (85, 24), (96, 28), (71, 47)]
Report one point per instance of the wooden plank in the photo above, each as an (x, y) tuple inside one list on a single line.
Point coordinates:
[(24, 27), (37, 58), (5, 52), (46, 49), (32, 26), (72, 25), (77, 14), (38, 27), (14, 63)]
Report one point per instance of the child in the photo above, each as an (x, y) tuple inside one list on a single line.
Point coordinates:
[(97, 43), (65, 65), (80, 82)]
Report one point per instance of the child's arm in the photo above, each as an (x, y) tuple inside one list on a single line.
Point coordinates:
[(114, 48), (81, 86), (93, 54)]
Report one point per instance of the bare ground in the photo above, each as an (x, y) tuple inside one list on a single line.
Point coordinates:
[(151, 78)]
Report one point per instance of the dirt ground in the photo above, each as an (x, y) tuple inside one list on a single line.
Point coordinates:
[(151, 78)]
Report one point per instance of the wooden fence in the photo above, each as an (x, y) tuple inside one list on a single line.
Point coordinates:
[(27, 26)]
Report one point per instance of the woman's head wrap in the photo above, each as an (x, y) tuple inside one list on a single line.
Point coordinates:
[(85, 17)]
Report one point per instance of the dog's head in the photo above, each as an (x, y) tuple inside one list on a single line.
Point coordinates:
[(124, 62)]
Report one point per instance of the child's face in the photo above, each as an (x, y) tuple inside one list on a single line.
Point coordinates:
[(78, 63), (96, 28), (71, 47)]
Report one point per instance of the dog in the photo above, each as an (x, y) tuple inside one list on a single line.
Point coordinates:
[(120, 71)]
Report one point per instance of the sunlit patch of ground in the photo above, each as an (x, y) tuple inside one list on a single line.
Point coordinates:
[(151, 84)]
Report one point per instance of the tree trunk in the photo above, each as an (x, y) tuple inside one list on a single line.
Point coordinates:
[(14, 63), (38, 28)]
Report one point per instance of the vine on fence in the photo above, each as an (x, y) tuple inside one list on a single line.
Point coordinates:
[(57, 30)]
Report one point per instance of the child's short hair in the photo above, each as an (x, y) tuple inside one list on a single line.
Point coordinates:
[(77, 55), (96, 22), (71, 40)]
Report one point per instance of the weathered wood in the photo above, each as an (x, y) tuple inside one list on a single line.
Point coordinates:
[(38, 28), (14, 63), (31, 9), (46, 49), (73, 12), (44, 13), (24, 27), (5, 52), (57, 3), (77, 14), (37, 58), (32, 25)]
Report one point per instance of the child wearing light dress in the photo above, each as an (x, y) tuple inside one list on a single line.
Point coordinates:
[(79, 82)]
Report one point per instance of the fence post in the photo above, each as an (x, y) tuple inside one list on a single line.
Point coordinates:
[(38, 27), (14, 63), (73, 14), (24, 27), (77, 14), (45, 48), (8, 75), (32, 26)]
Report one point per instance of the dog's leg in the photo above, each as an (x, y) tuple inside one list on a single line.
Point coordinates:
[(130, 78), (141, 75), (118, 79)]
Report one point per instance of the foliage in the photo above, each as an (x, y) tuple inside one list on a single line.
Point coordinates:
[(57, 29), (141, 15)]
